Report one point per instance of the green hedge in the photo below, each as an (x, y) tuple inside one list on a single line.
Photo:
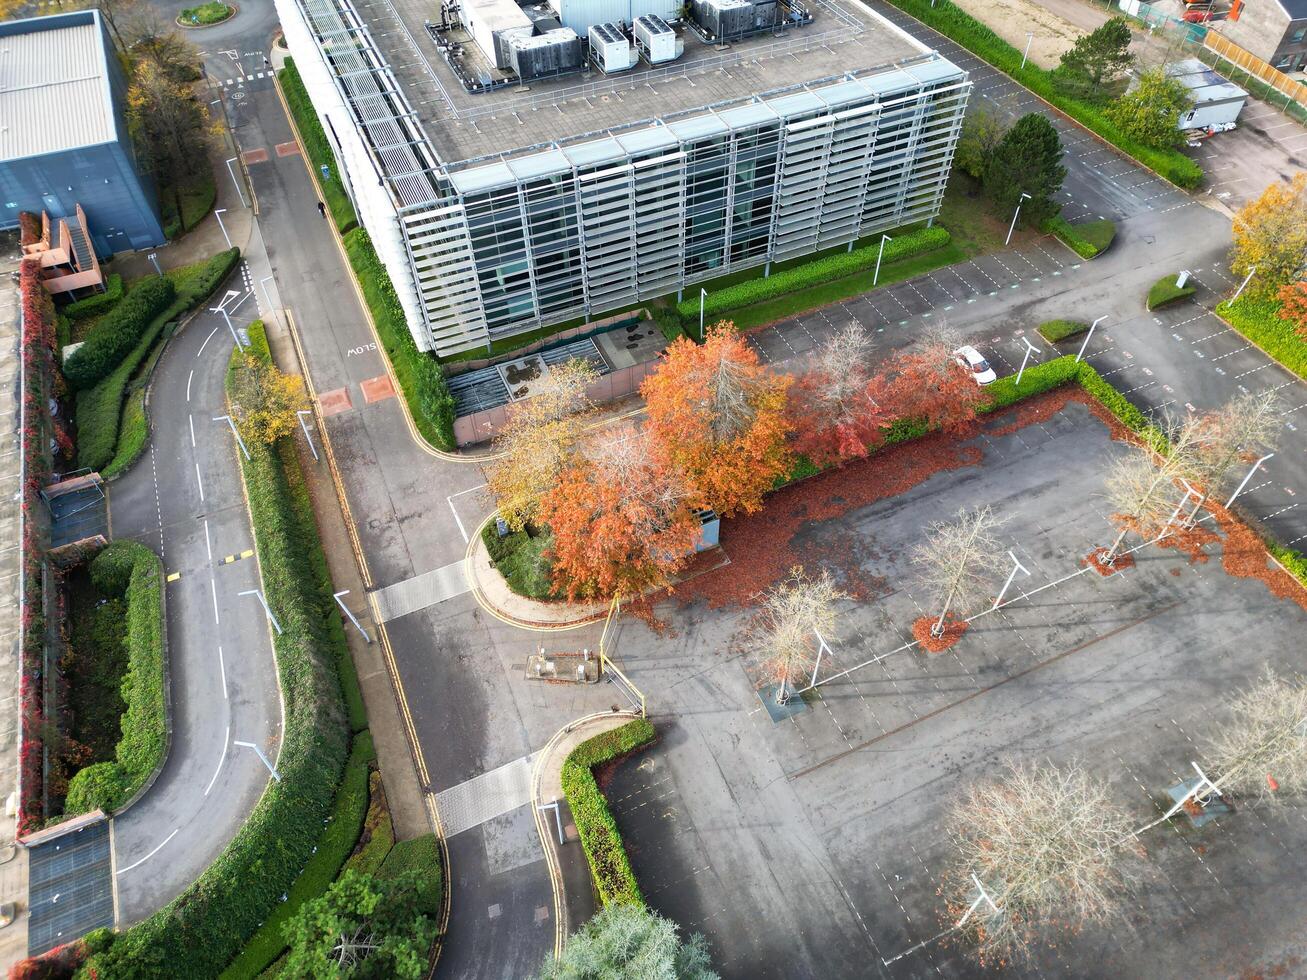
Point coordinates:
[(600, 838), (132, 570), (421, 854), (200, 931), (420, 378), (1293, 560), (99, 409), (118, 332), (1165, 291), (334, 846), (1035, 380), (1087, 239), (133, 431), (99, 303), (955, 23), (1055, 330), (823, 270), (1259, 321), (316, 146)]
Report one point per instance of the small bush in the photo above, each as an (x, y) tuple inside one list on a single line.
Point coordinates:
[(128, 568), (213, 12), (1088, 239), (1055, 330), (823, 270), (1259, 321), (113, 337), (609, 866), (1165, 291), (520, 557), (99, 303)]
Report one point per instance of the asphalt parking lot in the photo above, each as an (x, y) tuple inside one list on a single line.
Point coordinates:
[(813, 846)]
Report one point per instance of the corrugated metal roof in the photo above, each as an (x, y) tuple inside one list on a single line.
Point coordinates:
[(54, 94)]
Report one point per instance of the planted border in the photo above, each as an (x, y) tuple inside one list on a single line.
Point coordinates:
[(961, 27), (816, 273), (1089, 239), (1259, 321), (601, 840), (131, 569), (204, 928)]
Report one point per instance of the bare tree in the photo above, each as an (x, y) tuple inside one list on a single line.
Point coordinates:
[(1262, 751), (842, 363), (958, 559), (647, 492), (1141, 485), (1044, 845), (1247, 424), (536, 441), (796, 615)]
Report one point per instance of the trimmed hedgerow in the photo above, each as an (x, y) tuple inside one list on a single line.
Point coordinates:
[(1165, 291), (1035, 380), (827, 269), (953, 22), (1259, 321), (420, 377), (99, 303), (200, 931), (602, 841), (133, 431), (1087, 239), (130, 569), (118, 332), (334, 846)]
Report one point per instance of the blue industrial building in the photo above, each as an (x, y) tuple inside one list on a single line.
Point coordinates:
[(63, 133)]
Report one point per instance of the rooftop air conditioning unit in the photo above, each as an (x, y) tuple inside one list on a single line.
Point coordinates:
[(655, 40), (609, 49)]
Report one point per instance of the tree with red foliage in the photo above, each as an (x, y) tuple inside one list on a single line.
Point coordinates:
[(835, 411), (926, 382), (718, 417), (621, 520), (1293, 305)]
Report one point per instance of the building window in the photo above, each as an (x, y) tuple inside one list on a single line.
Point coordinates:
[(1299, 34), (1285, 63)]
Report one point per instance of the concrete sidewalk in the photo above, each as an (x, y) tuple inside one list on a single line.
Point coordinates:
[(494, 595)]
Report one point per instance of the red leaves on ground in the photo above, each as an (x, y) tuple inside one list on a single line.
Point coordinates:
[(1096, 560), (1243, 554), (952, 632), (1190, 541)]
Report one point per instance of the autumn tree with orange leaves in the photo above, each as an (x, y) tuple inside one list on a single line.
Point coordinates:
[(925, 382), (621, 521), (1293, 305), (718, 418), (835, 408), (1270, 237)]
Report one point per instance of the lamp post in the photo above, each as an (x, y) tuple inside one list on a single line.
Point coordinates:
[(1030, 349), (266, 609), (703, 296), (1256, 466), (1247, 279), (154, 261), (234, 431), (1081, 352), (880, 255), (1015, 214), (240, 193), (218, 213), (344, 608), (1016, 567), (262, 758), (300, 415), (1026, 54)]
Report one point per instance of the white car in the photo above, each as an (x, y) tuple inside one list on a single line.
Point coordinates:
[(971, 359)]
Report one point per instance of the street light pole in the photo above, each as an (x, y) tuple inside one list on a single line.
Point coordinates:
[(1247, 279), (300, 415), (272, 308), (1256, 466), (240, 193), (1013, 227), (154, 261), (263, 758), (1026, 54), (880, 255), (345, 609), (1030, 349), (266, 609), (218, 213), (234, 336), (703, 296), (234, 431), (1081, 352), (1016, 567)]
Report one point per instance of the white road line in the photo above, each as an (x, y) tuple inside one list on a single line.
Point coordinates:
[(222, 666), (206, 342), (188, 384), (151, 854), (221, 759), (191, 420), (208, 545), (213, 586), (199, 480), (242, 301), (457, 520)]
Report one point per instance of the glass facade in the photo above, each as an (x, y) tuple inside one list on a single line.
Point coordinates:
[(633, 217)]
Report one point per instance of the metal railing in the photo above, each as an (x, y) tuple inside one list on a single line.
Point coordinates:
[(633, 693)]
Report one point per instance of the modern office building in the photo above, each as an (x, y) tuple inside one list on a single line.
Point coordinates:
[(63, 135), (499, 207)]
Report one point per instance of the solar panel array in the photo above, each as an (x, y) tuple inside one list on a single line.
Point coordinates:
[(70, 888)]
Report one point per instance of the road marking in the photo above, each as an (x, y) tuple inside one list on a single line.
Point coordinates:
[(222, 758), (200, 480), (191, 420), (151, 854), (213, 586), (421, 591), (206, 342), (188, 384), (208, 545), (486, 796), (173, 577), (222, 666)]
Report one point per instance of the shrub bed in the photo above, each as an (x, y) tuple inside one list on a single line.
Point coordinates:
[(1087, 239), (421, 854), (334, 846), (823, 270), (200, 931), (378, 833), (609, 866), (1259, 321), (130, 569), (1165, 291), (420, 377), (1035, 380), (316, 146), (521, 558), (133, 431), (954, 23), (213, 12), (1055, 330), (121, 330), (99, 303)]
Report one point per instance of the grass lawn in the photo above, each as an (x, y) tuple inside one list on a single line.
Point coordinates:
[(970, 217), (1055, 330), (1165, 291), (197, 196)]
